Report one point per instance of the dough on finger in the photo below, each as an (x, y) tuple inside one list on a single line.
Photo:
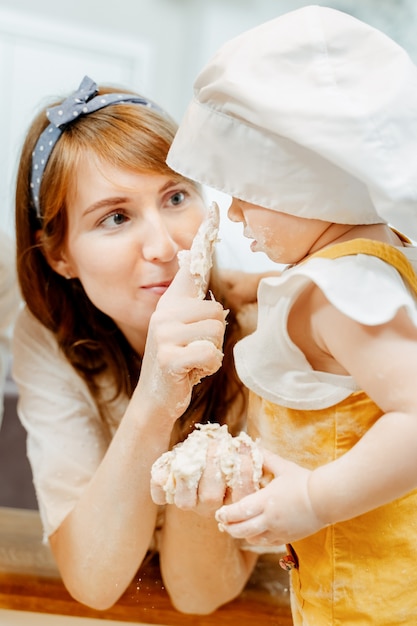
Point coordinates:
[(231, 459), (200, 255), (160, 476), (187, 461)]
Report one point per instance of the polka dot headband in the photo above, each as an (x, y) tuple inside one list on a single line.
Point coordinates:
[(83, 101)]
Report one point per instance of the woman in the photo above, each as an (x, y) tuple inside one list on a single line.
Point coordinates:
[(105, 349)]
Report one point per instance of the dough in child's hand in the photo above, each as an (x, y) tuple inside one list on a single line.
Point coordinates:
[(187, 460), (200, 255)]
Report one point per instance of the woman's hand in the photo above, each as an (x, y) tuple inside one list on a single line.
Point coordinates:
[(279, 513), (213, 491), (203, 553), (207, 470), (184, 344), (203, 496)]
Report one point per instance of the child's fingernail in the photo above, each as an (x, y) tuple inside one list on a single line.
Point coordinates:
[(221, 527), (218, 516)]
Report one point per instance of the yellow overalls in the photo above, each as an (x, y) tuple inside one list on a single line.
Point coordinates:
[(362, 571)]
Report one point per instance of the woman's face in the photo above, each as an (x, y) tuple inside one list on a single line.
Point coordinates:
[(124, 232)]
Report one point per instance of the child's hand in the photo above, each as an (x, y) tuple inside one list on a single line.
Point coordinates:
[(279, 513)]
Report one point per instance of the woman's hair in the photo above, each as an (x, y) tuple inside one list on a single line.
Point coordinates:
[(128, 136)]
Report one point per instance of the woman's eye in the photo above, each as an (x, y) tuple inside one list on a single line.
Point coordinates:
[(113, 220), (177, 198)]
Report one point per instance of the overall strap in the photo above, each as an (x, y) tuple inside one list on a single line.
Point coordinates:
[(383, 251)]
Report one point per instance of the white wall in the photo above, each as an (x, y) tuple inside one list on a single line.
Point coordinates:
[(184, 33), (42, 58)]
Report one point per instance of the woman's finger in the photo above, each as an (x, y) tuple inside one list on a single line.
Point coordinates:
[(200, 357), (185, 493), (212, 486), (244, 485)]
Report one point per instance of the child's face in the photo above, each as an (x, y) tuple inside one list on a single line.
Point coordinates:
[(284, 238)]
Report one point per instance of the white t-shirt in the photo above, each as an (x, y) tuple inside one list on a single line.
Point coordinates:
[(66, 435), (362, 287)]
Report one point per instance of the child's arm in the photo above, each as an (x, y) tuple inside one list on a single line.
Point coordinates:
[(377, 470), (383, 464)]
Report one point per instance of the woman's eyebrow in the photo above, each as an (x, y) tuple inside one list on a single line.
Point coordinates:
[(105, 203), (117, 200), (172, 182)]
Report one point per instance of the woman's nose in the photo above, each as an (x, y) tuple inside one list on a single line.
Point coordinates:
[(158, 244)]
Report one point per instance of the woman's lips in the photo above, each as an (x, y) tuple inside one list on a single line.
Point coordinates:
[(157, 288)]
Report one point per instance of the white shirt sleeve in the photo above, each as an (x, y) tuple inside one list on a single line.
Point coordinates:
[(66, 435)]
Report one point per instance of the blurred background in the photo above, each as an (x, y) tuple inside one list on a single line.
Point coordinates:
[(153, 46), (156, 47)]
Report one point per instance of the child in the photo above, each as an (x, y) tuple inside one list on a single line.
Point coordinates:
[(309, 122)]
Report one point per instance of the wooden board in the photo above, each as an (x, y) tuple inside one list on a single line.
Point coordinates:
[(29, 581)]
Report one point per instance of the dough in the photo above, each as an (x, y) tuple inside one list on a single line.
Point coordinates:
[(187, 460), (200, 254)]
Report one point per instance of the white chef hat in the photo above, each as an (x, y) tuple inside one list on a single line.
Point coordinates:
[(314, 114)]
